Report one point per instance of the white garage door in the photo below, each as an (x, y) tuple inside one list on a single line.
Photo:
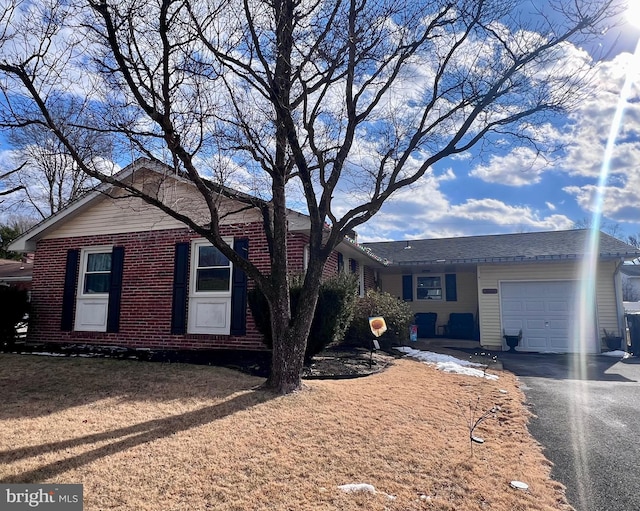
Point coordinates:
[(543, 310)]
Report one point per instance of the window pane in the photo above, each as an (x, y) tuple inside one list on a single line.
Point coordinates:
[(429, 282), (429, 288), (215, 279), (97, 282), (211, 256), (99, 262)]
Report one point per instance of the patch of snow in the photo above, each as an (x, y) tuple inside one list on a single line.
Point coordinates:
[(519, 485), (357, 487), (615, 353), (434, 358), (47, 354), (447, 363)]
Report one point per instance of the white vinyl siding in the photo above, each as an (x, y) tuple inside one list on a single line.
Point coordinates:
[(606, 299), (128, 214)]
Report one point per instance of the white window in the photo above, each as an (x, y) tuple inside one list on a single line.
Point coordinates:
[(92, 301), (429, 288), (97, 273), (212, 269), (210, 290)]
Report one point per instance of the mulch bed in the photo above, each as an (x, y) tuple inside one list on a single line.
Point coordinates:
[(347, 363), (333, 363)]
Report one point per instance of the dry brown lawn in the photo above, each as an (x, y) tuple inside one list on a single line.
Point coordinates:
[(151, 436)]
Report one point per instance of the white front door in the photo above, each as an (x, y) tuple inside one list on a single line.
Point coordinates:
[(92, 301), (543, 310)]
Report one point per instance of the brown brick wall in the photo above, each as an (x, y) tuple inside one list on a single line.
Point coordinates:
[(145, 313)]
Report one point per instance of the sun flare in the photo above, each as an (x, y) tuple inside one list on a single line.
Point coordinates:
[(633, 13)]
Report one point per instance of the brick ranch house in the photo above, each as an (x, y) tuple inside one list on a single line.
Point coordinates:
[(111, 270)]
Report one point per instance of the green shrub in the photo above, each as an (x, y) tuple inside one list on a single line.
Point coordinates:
[(336, 302), (396, 313), (14, 304)]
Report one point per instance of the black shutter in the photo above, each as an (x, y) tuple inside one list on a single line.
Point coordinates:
[(407, 288), (69, 293), (353, 266), (340, 263), (180, 286), (115, 289), (450, 287), (239, 291)]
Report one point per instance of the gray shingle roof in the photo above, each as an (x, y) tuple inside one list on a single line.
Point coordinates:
[(530, 246)]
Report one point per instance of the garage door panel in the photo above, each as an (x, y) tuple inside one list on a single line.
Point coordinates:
[(534, 306), (534, 324), (513, 306), (558, 342), (561, 306), (512, 326), (559, 324), (537, 342)]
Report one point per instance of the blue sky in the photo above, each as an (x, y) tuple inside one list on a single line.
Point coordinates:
[(514, 192)]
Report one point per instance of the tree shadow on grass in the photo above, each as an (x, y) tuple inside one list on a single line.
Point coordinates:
[(122, 438), (36, 386)]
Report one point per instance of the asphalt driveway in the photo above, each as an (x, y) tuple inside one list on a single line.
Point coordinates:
[(588, 420)]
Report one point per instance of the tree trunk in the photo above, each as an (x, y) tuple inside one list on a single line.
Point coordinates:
[(290, 335)]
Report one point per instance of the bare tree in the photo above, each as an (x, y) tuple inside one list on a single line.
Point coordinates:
[(611, 228), (46, 173), (7, 187), (634, 240), (346, 100)]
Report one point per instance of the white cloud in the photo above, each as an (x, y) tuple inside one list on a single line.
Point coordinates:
[(425, 212), (521, 167), (584, 136), (591, 123), (551, 206), (619, 203)]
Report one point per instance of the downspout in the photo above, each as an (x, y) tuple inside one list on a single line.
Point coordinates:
[(617, 285)]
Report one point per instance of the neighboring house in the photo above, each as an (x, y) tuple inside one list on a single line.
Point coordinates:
[(630, 282), (111, 270), (512, 282), (16, 273)]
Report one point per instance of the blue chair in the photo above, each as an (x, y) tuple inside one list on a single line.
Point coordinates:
[(461, 325), (426, 322)]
